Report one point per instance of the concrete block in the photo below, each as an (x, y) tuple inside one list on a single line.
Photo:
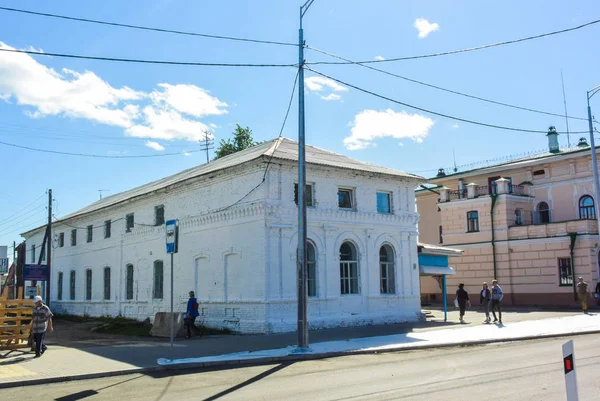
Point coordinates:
[(161, 327)]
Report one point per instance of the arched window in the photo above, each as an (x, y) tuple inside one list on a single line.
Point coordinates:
[(60, 286), (387, 271), (348, 269), (311, 263), (107, 283), (586, 208), (157, 293), (129, 282), (543, 213), (88, 284)]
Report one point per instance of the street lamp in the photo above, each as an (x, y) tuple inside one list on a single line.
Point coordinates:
[(591, 93), (302, 267)]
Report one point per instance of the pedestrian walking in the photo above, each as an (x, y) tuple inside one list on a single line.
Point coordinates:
[(485, 298), (582, 294), (462, 296), (191, 313), (40, 323), (497, 296), (597, 293)]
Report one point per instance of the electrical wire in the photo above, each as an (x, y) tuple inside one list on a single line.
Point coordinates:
[(431, 111), (470, 49), (131, 60), (25, 208), (147, 28), (445, 89), (97, 156), (23, 216)]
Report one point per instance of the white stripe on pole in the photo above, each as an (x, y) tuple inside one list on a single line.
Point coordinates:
[(570, 373)]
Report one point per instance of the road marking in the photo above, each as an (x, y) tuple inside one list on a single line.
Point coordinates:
[(10, 371)]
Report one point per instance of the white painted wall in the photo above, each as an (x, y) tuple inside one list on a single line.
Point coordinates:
[(241, 261)]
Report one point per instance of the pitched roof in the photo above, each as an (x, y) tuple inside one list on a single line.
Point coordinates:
[(279, 148)]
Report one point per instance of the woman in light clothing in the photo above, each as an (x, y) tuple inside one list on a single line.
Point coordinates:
[(485, 298)]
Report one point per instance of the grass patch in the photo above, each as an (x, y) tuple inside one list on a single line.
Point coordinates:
[(111, 325), (206, 331)]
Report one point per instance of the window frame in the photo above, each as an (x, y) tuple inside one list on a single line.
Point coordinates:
[(311, 265), (540, 211), (158, 281), (129, 280), (107, 229), (90, 233), (59, 286), (33, 254), (61, 240), (72, 285), (88, 284), (565, 279), (128, 226), (347, 279), (473, 223), (107, 282), (584, 211), (74, 237), (310, 195), (389, 201), (387, 285), (157, 221), (351, 191), (441, 234)]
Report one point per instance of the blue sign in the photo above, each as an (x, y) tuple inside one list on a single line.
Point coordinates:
[(3, 265), (172, 235), (35, 272)]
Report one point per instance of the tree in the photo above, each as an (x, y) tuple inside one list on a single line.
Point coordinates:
[(242, 139)]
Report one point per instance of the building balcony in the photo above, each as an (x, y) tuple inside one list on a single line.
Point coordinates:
[(552, 229), (473, 191)]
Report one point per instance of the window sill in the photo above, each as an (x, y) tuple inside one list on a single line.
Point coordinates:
[(385, 213), (470, 232), (565, 285), (350, 295)]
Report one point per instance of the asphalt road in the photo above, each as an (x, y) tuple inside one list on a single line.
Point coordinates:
[(531, 371)]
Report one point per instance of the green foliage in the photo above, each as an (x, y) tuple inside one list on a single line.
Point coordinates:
[(242, 139)]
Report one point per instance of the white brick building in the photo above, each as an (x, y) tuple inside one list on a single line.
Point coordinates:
[(109, 258)]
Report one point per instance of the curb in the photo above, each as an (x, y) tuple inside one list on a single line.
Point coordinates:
[(277, 359)]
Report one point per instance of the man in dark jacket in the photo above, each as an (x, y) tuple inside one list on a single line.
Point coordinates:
[(497, 296), (191, 313)]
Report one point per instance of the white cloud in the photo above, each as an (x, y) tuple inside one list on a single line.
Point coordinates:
[(317, 84), (169, 112), (425, 27), (186, 153), (331, 96), (369, 125), (455, 126), (154, 145), (379, 58)]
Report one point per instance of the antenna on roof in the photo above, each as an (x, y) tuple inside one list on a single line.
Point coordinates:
[(454, 157), (566, 114), (103, 190), (207, 143)]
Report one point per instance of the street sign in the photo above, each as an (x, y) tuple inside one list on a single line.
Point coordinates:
[(570, 374), (172, 235), (35, 272), (30, 291), (3, 265)]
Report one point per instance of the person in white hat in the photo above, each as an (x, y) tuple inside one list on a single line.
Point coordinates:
[(41, 322)]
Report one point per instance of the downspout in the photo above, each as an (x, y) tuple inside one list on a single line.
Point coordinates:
[(494, 199), (572, 251)]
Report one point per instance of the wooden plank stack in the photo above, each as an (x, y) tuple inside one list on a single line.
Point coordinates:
[(15, 321)]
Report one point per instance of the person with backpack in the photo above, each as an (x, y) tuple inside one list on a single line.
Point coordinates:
[(191, 313)]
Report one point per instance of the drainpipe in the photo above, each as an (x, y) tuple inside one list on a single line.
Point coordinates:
[(571, 249), (494, 199)]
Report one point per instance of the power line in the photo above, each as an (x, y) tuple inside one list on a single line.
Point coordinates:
[(147, 28), (470, 49), (97, 156), (23, 215), (445, 89), (25, 208), (431, 111), (129, 60)]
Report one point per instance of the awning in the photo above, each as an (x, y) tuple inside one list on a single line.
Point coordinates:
[(426, 270)]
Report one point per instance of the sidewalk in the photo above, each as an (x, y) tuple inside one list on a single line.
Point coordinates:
[(80, 361)]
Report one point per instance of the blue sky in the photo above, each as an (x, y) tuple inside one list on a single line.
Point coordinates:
[(116, 109)]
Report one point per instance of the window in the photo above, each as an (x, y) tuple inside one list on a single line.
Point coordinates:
[(472, 221), (88, 284), (129, 222), (32, 254), (345, 200), (129, 283), (309, 195), (586, 208), (61, 240), (59, 287), (539, 172), (384, 202), (159, 216), (107, 283), (543, 213), (90, 233), (311, 263), (72, 286), (519, 217), (386, 268), (565, 274), (348, 269), (73, 237), (158, 280), (42, 254), (107, 227), (441, 235)]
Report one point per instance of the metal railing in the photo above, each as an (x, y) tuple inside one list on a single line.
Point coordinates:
[(458, 194)]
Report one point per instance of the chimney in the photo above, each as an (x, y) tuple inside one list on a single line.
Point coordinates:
[(441, 173), (583, 143), (553, 140)]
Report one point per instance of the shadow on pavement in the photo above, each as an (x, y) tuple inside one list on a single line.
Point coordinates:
[(88, 393)]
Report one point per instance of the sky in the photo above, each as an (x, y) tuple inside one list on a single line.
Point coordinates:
[(126, 109)]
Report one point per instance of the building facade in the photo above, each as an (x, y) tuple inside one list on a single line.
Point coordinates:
[(530, 223), (238, 241)]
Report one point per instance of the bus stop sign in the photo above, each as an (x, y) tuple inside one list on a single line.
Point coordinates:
[(172, 235)]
